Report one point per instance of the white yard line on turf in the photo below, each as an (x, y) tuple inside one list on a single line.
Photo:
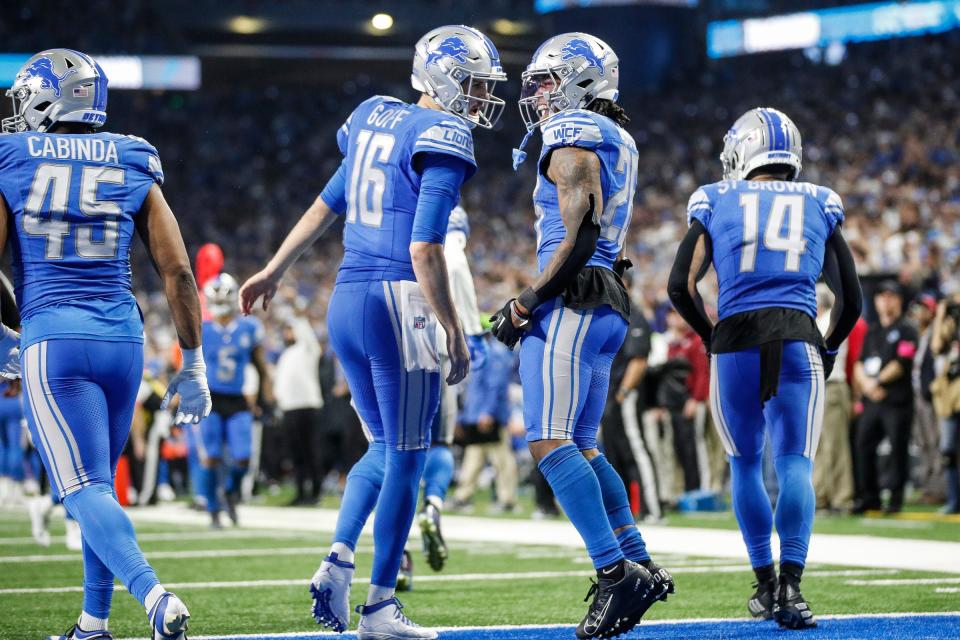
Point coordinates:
[(831, 549), (947, 590), (264, 534), (902, 582), (451, 577), (176, 555)]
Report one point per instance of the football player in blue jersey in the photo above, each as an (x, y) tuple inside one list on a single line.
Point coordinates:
[(573, 319), (231, 343), (769, 238), (399, 180), (71, 200), (439, 467)]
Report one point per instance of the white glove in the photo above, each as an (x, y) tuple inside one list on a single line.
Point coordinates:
[(191, 383), (9, 354)]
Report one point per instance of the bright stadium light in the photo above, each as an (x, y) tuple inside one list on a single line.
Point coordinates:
[(381, 21), (246, 25)]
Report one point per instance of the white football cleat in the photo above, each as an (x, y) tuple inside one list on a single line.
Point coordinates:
[(385, 621), (39, 508), (330, 588), (169, 618), (74, 539)]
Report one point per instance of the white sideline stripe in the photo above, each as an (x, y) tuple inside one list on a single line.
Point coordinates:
[(646, 625), (947, 590), (855, 551), (903, 582), (177, 537), (462, 577)]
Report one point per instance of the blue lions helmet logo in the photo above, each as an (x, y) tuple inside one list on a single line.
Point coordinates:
[(452, 47), (581, 48), (43, 69)]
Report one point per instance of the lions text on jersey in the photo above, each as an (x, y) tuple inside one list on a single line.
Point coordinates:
[(381, 142)]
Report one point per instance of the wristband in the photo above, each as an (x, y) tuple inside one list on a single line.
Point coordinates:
[(193, 359)]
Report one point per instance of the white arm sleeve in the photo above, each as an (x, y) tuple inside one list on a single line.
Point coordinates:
[(461, 283)]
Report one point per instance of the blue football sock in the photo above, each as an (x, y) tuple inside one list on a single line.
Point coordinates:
[(97, 584), (577, 490), (437, 472), (752, 508), (163, 472), (795, 507), (395, 509), (360, 494), (235, 479), (632, 545), (207, 486), (109, 532)]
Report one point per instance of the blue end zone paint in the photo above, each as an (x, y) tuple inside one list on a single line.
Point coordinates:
[(927, 627)]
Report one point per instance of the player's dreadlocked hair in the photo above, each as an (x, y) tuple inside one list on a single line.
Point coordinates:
[(610, 109)]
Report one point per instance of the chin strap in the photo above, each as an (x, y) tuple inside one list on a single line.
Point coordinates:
[(519, 155)]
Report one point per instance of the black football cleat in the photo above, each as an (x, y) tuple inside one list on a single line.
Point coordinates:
[(761, 602), (663, 586), (616, 601), (790, 610)]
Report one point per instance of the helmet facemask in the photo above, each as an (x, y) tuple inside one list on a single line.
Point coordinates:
[(536, 106), (479, 108)]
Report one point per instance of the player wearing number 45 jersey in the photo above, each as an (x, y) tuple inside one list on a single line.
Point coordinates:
[(573, 320), (71, 200), (403, 165), (769, 239)]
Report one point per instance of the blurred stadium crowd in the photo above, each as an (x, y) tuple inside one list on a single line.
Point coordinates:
[(882, 129)]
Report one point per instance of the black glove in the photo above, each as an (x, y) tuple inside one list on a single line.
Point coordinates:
[(503, 328), (620, 266), (829, 358)]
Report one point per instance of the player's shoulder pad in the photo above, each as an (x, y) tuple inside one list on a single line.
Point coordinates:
[(573, 128), (700, 204), (443, 133), (141, 155), (831, 203), (458, 221)]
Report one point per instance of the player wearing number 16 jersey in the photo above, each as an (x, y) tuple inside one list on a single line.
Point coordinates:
[(769, 238), (573, 320), (403, 165), (71, 200)]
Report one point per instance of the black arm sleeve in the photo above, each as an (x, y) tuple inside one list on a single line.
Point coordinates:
[(840, 274), (690, 306), (583, 247)]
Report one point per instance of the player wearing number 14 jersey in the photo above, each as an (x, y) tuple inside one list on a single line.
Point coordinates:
[(769, 239), (71, 200)]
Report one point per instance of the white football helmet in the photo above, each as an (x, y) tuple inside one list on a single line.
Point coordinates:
[(761, 137), (57, 85), (447, 60), (579, 68), (222, 294)]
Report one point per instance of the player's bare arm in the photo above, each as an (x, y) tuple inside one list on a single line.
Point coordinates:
[(576, 172), (312, 224), (430, 267), (692, 262), (158, 228)]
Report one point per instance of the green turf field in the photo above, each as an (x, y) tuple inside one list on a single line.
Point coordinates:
[(483, 584)]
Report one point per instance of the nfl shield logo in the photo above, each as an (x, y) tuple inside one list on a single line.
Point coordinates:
[(419, 322)]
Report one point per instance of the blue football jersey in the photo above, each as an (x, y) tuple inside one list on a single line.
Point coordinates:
[(768, 241), (73, 198), (618, 181), (380, 142), (227, 350), (459, 221)]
